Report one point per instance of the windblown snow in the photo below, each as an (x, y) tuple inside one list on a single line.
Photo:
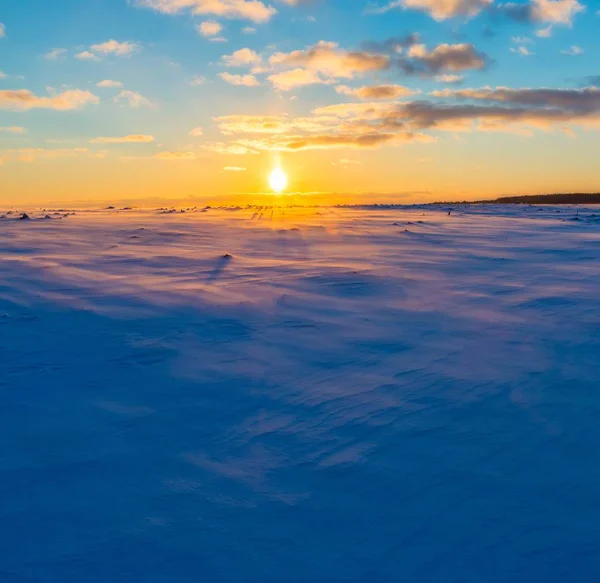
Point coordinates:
[(300, 395)]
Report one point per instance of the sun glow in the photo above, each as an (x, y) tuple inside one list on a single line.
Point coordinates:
[(278, 180)]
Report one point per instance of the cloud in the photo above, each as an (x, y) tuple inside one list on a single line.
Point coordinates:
[(573, 51), (544, 32), (108, 83), (133, 99), (249, 30), (521, 50), (30, 155), (55, 54), (13, 130), (234, 169), (376, 91), (196, 132), (288, 80), (175, 156), (23, 100), (374, 124), (586, 99), (2, 30), (113, 47), (209, 28), (242, 58), (240, 80), (552, 12), (253, 10), (449, 78), (438, 9), (87, 56), (443, 58), (198, 80), (130, 139), (555, 11), (327, 59)]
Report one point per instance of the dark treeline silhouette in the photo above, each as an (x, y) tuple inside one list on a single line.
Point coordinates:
[(572, 198)]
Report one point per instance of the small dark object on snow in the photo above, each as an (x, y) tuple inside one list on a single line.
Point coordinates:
[(226, 256), (449, 213), (47, 217), (25, 217), (110, 208)]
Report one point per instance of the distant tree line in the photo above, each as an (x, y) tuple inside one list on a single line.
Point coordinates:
[(568, 198)]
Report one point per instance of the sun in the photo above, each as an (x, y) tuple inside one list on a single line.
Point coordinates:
[(278, 180)]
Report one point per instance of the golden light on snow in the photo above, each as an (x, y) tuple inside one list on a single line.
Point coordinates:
[(278, 180)]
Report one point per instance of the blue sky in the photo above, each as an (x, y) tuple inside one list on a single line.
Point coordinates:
[(182, 65)]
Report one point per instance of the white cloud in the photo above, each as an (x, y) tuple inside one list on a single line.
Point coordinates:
[(196, 132), (87, 56), (13, 130), (133, 99), (209, 28), (573, 51), (113, 47), (108, 83), (2, 30), (198, 80), (130, 139), (243, 58), (523, 51), (234, 169), (23, 100), (55, 54), (245, 80), (175, 156), (544, 32), (555, 11), (439, 9), (253, 10)]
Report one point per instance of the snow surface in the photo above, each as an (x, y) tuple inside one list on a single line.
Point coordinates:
[(300, 395)]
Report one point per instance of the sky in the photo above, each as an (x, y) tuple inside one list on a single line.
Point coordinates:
[(356, 100)]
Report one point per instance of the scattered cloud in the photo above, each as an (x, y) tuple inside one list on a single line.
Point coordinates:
[(23, 100), (449, 78), (209, 28), (438, 9), (234, 169), (242, 58), (443, 58), (253, 10), (175, 156), (376, 91), (133, 99), (55, 54), (13, 130), (544, 32), (113, 47), (240, 80), (328, 59), (108, 83), (249, 30), (196, 132), (573, 51), (2, 30), (288, 80), (30, 155), (197, 80), (521, 50), (87, 56), (373, 124), (130, 139)]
